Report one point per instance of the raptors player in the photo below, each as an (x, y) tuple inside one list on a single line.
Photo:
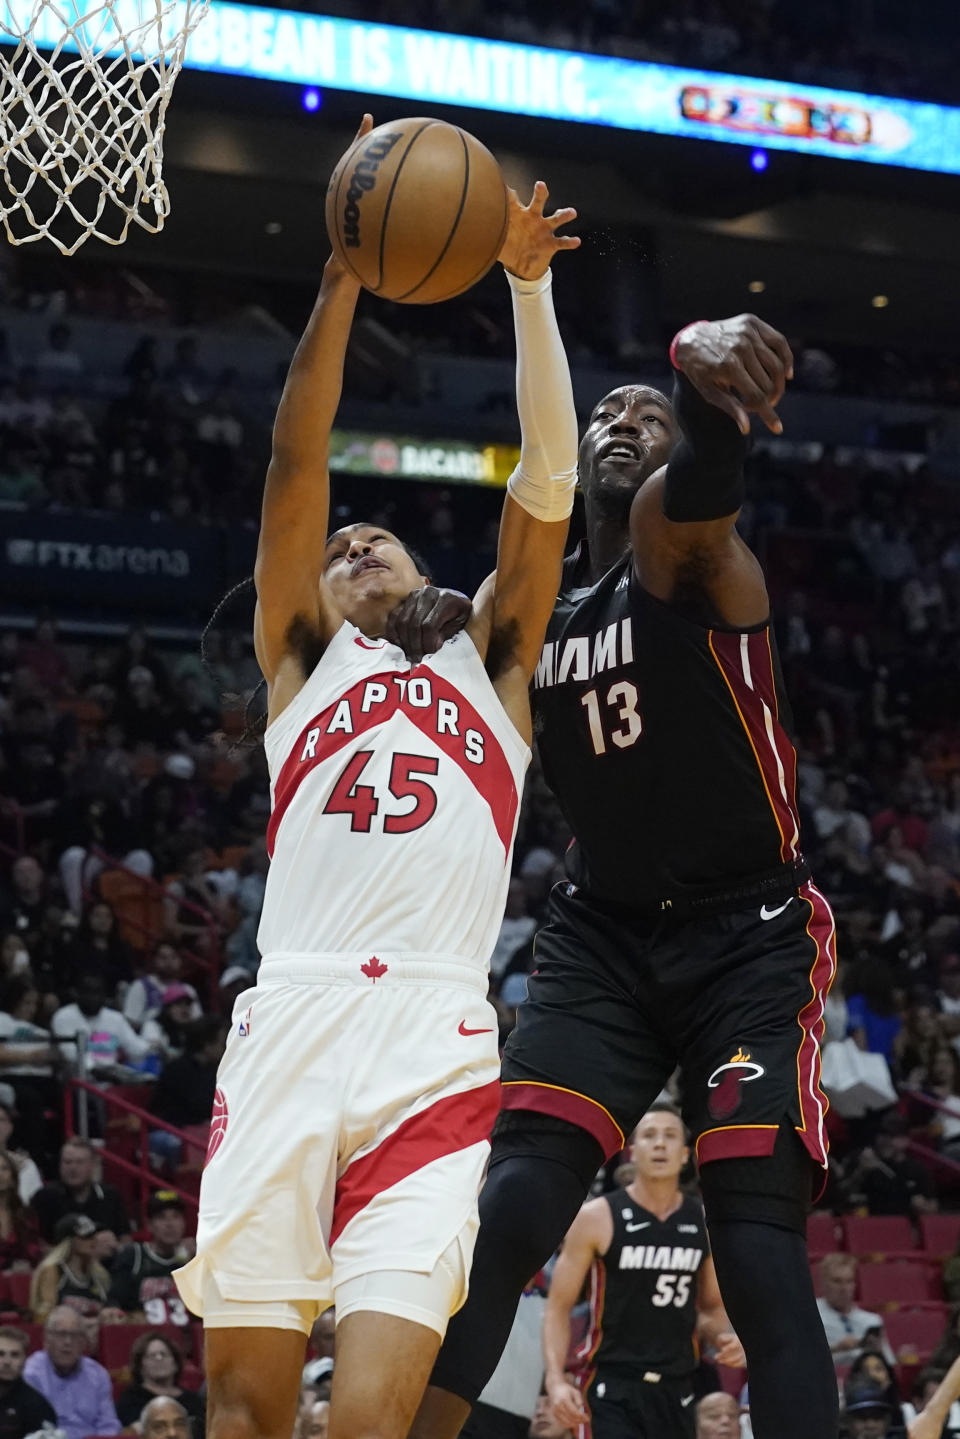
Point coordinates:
[(360, 1080)]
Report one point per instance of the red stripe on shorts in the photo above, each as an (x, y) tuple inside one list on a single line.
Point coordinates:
[(567, 1104), (452, 1124)]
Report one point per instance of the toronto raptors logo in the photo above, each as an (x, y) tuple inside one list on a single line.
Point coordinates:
[(725, 1081), (218, 1125)]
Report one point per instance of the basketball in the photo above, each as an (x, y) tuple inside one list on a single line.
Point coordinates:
[(417, 210)]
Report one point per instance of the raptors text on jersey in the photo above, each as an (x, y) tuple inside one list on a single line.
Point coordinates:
[(395, 792)]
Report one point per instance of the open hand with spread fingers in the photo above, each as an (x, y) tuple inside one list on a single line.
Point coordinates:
[(740, 365), (532, 239)]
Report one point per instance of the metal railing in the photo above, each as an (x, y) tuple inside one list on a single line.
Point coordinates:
[(80, 1094)]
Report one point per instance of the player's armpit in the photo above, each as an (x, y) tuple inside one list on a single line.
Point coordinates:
[(704, 569)]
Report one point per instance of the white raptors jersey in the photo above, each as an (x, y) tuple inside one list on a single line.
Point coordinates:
[(395, 793)]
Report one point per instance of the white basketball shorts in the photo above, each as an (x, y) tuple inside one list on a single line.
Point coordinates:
[(354, 1102)]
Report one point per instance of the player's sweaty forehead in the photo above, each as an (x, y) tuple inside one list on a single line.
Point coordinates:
[(632, 397)]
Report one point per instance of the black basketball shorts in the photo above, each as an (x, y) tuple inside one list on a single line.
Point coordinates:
[(622, 1408), (617, 1001)]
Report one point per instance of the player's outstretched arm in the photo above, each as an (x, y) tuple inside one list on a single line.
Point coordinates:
[(296, 498), (930, 1423), (511, 610), (686, 547), (588, 1236)]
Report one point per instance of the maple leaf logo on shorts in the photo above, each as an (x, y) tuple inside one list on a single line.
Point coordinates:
[(373, 969)]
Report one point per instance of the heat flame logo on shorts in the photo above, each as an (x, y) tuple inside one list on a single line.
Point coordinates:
[(725, 1081)]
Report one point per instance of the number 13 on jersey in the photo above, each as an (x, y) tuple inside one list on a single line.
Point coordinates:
[(618, 706)]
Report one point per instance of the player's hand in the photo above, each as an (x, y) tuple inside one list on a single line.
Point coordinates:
[(739, 365), (729, 1351), (567, 1404), (425, 619), (531, 241)]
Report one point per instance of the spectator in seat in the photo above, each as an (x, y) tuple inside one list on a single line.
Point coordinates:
[(76, 1386), (718, 1417), (19, 1241), (889, 1179), (185, 1089), (101, 948), (23, 1410), (871, 1367), (516, 928), (316, 1424), (165, 1419), (156, 1363), (109, 1038), (873, 1013), (28, 1061), (70, 1274), (78, 1192), (846, 1326), (869, 1416), (28, 1175), (22, 904), (166, 1032), (147, 993), (942, 1084), (141, 1282)]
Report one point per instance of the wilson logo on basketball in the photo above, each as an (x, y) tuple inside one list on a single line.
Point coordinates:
[(364, 178), (218, 1125), (725, 1081)]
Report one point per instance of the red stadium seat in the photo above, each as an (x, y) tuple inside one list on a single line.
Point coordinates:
[(940, 1233), (878, 1234), (731, 1380), (824, 1234), (913, 1334), (897, 1284), (16, 1288)]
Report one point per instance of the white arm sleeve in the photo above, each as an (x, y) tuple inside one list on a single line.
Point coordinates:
[(546, 477)]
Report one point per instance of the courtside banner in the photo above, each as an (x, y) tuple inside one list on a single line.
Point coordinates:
[(454, 461), (78, 555), (445, 69)]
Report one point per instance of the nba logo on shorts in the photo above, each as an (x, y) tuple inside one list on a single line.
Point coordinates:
[(218, 1125), (244, 1028)]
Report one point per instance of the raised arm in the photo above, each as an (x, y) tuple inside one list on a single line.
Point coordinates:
[(291, 595), (683, 520), (930, 1422), (512, 608), (588, 1236)]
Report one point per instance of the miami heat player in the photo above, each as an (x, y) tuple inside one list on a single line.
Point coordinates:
[(360, 1080)]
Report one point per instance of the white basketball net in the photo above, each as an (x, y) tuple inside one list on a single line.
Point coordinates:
[(83, 99)]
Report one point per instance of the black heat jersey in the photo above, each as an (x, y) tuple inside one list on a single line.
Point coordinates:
[(143, 1279), (643, 1292), (666, 743)]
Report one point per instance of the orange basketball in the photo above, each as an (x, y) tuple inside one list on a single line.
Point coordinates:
[(417, 210)]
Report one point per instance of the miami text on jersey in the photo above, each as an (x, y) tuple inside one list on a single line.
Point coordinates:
[(583, 656)]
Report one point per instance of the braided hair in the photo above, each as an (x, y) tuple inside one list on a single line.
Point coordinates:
[(253, 725)]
